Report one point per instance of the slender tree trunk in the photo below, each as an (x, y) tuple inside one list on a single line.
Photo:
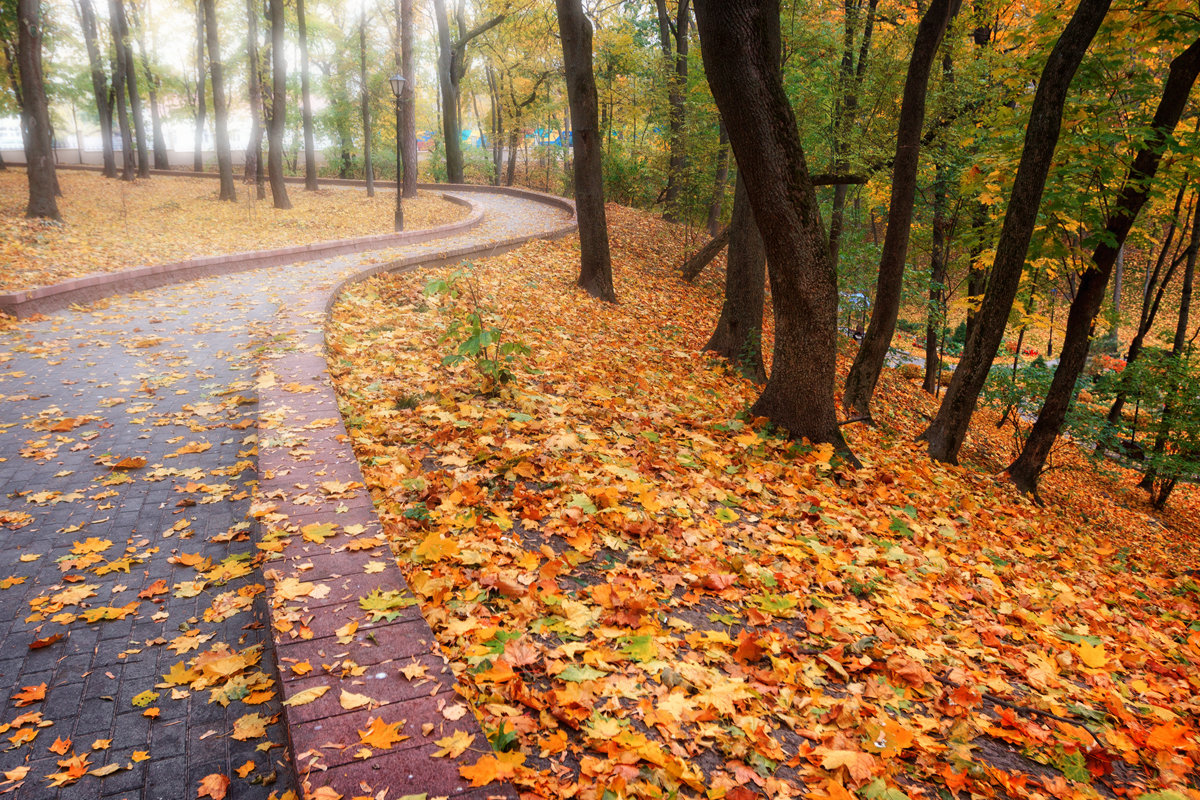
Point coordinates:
[(120, 26), (408, 116), (945, 435), (1026, 470), (738, 335), (595, 267), (1112, 341), (977, 270), (253, 166), (310, 147), (39, 145), (366, 106), (514, 141), (128, 165), (201, 100), (159, 143), (279, 194), (497, 126), (868, 363), (450, 127), (676, 62), (720, 178), (220, 106), (740, 43), (939, 253), (87, 21)]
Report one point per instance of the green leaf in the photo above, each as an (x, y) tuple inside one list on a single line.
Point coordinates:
[(576, 673)]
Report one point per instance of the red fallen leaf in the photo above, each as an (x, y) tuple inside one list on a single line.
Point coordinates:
[(38, 644), (132, 462), (718, 581), (156, 588), (29, 695), (214, 786)]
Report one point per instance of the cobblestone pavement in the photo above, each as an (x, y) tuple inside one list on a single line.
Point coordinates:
[(137, 658)]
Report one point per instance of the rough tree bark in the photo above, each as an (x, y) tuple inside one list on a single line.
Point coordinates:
[(740, 42), (868, 362), (306, 115), (677, 66), (201, 91), (279, 194), (946, 433), (1028, 467), (595, 265), (700, 259), (128, 164), (87, 21), (120, 25), (738, 335), (408, 114), (452, 66), (220, 106), (39, 145)]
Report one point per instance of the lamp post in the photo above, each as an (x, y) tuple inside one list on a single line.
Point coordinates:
[(397, 82)]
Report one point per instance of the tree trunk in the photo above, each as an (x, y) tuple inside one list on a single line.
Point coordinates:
[(408, 113), (279, 194), (253, 162), (366, 105), (850, 76), (497, 126), (939, 256), (945, 435), (738, 335), (451, 131), (741, 56), (720, 178), (677, 66), (87, 21), (160, 144), (514, 142), (120, 26), (128, 165), (220, 106), (39, 145), (696, 263), (201, 100), (1112, 341), (595, 266), (868, 363), (1026, 470), (310, 148)]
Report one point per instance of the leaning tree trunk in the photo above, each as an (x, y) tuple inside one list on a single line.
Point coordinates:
[(595, 266), (39, 145), (279, 193), (87, 20), (253, 162), (948, 429), (868, 362), (120, 26), (306, 115), (201, 100), (128, 166), (697, 261), (1026, 470), (740, 42), (738, 335), (220, 106)]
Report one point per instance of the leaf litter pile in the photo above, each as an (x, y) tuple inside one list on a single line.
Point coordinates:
[(647, 594), (110, 225)]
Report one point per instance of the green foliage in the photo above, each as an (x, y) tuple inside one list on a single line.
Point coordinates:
[(475, 330)]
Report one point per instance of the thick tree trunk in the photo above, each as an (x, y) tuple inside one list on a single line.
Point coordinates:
[(451, 131), (720, 178), (868, 363), (595, 267), (279, 194), (741, 56), (128, 165), (201, 99), (368, 171), (87, 21), (738, 335), (120, 26), (253, 162), (700, 259), (39, 144), (945, 435), (220, 106), (1026, 470), (408, 115), (306, 115), (677, 66)]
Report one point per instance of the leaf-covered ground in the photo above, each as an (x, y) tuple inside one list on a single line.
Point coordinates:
[(110, 225), (648, 595)]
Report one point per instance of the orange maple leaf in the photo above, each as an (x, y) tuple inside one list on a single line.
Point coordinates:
[(213, 785), (382, 735)]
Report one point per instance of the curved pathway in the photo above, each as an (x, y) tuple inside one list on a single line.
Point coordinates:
[(140, 654)]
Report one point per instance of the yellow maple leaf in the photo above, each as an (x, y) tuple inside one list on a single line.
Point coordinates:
[(307, 696), (1092, 655), (454, 745), (382, 735)]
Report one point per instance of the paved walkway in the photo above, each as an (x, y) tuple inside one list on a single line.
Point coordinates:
[(137, 655)]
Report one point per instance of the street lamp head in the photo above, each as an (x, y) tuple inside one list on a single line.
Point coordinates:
[(397, 82)]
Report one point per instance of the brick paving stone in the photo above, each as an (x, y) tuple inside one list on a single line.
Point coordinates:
[(144, 376)]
